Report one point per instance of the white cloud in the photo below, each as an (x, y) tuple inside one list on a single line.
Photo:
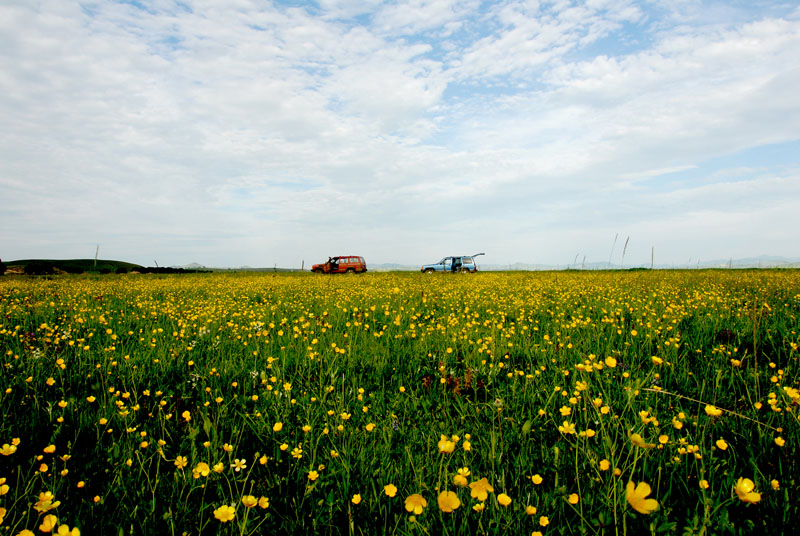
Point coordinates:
[(228, 133)]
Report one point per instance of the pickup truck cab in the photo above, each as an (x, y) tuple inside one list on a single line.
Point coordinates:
[(461, 264), (347, 264)]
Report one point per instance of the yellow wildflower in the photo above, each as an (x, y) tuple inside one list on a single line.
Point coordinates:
[(416, 503), (225, 513), (744, 490), (480, 489), (448, 501), (637, 497)]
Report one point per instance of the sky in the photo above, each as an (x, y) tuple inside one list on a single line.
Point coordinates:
[(275, 133)]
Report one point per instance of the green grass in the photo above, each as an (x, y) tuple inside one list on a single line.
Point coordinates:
[(369, 377)]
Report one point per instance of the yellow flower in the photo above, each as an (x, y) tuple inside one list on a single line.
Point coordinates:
[(313, 475), (48, 523), (416, 503), (479, 507), (656, 360), (704, 484), (239, 464), (604, 465), (567, 428), (573, 498), (712, 411), (460, 481), (263, 502), (249, 501), (467, 446), (565, 411), (536, 479), (180, 462), (277, 427), (480, 489), (186, 415), (64, 530), (356, 499), (8, 450), (637, 497), (201, 469), (46, 502), (227, 448), (744, 490), (775, 485), (219, 467), (663, 439), (446, 446), (611, 362), (780, 441), (722, 444), (503, 499), (448, 501), (225, 513), (390, 490), (370, 427), (49, 449), (530, 510), (544, 521), (2, 515)]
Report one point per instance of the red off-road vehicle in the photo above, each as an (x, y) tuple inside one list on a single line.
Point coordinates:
[(341, 265)]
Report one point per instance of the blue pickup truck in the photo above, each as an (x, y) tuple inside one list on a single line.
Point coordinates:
[(464, 264)]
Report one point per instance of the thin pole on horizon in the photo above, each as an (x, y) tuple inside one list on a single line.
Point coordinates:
[(612, 249)]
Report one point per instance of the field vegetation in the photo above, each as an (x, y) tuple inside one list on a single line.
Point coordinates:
[(400, 403)]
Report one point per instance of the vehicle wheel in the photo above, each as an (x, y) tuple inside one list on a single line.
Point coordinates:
[(465, 270), (350, 271), (429, 271)]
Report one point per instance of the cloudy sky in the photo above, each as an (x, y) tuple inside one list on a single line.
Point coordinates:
[(262, 133)]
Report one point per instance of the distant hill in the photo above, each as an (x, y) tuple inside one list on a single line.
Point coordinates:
[(72, 266)]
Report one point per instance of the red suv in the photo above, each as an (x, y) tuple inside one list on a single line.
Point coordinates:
[(341, 265)]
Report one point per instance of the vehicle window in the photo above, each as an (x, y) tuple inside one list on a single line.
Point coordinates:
[(467, 260)]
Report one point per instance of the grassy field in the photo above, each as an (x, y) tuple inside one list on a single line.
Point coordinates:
[(400, 403)]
